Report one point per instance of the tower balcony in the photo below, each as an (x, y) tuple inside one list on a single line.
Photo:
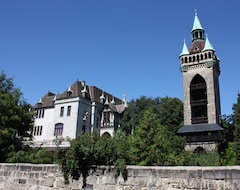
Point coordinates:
[(198, 102), (203, 119), (198, 86)]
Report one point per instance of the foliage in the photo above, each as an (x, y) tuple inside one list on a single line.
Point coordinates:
[(229, 156), (121, 148), (88, 149), (236, 123), (34, 156), (15, 118), (202, 159), (169, 111), (153, 144), (225, 149)]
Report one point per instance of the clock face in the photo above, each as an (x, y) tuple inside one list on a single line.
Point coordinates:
[(196, 48)]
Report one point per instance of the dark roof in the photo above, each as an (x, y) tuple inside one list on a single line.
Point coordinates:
[(95, 94), (75, 90), (45, 101), (204, 127), (117, 108)]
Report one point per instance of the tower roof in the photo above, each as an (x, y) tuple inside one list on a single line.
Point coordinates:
[(207, 45), (196, 22), (184, 49)]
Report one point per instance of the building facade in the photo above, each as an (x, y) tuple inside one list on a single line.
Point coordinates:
[(79, 109), (200, 68)]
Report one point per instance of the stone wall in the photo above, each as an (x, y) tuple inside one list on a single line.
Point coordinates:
[(49, 177)]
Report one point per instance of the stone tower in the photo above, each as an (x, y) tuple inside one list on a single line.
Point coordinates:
[(199, 65)]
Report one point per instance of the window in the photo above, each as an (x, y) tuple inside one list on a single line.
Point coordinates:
[(106, 119), (61, 111), (198, 100), (42, 113), (193, 58), (68, 110), (190, 59), (37, 130), (58, 129), (83, 129), (209, 55)]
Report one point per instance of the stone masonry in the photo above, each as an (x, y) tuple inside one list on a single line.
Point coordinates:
[(49, 177)]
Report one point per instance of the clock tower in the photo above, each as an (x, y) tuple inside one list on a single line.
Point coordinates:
[(199, 65)]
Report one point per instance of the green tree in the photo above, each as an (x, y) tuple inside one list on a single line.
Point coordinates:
[(153, 144), (88, 150), (15, 118), (29, 155), (236, 123), (169, 111), (225, 149), (121, 152)]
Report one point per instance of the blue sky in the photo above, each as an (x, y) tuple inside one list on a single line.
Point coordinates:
[(127, 46)]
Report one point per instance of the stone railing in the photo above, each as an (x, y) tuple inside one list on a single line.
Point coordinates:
[(49, 177)]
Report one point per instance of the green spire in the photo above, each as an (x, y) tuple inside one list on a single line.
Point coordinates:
[(184, 49), (196, 22)]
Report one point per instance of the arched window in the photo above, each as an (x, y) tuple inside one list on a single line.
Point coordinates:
[(106, 118), (209, 55), (193, 58), (185, 60), (201, 35), (198, 58), (198, 100), (199, 149), (196, 35), (205, 55), (190, 59), (58, 129), (201, 56), (106, 134)]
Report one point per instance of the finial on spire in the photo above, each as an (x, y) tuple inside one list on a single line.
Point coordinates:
[(196, 22)]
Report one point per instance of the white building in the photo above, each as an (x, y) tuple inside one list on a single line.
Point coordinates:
[(80, 109)]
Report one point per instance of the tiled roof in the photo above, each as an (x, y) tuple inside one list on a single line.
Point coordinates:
[(197, 46)]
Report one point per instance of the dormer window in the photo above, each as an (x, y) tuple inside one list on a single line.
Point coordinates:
[(102, 97), (69, 91), (40, 103)]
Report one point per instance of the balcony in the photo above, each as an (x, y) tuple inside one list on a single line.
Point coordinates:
[(198, 86), (198, 102)]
